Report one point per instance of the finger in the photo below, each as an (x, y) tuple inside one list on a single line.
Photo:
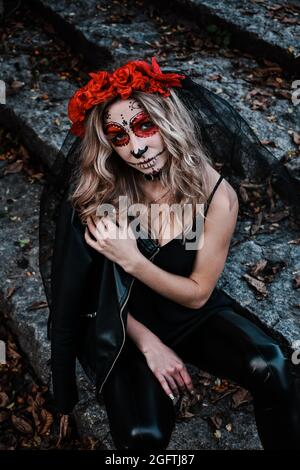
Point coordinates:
[(108, 220), (90, 241), (112, 230), (123, 220), (187, 380), (101, 229), (165, 386), (180, 381), (112, 225), (107, 226), (172, 384), (92, 221), (96, 229), (92, 227)]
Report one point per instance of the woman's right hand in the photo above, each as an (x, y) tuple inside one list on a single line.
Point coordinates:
[(168, 368)]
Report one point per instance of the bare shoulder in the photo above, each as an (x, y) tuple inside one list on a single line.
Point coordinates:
[(225, 196), (215, 239)]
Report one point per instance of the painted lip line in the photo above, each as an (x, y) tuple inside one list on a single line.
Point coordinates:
[(147, 161)]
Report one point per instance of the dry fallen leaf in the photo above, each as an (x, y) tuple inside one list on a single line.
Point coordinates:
[(240, 397), (216, 420), (37, 305), (10, 291), (4, 400), (296, 282), (259, 286), (16, 85), (4, 415), (296, 138), (14, 167), (63, 429), (294, 242), (204, 378), (259, 267), (229, 427), (36, 409), (21, 425), (46, 421)]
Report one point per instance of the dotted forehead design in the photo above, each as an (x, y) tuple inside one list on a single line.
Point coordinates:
[(107, 116), (133, 104), (124, 122)]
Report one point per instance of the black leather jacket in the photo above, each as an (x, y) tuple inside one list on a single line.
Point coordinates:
[(88, 313)]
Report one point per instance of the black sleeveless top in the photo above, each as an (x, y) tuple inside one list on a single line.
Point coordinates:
[(167, 319)]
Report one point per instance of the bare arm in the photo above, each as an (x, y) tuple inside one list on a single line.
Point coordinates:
[(139, 333), (168, 368), (180, 289)]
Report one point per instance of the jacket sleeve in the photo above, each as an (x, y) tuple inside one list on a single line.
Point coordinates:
[(71, 263)]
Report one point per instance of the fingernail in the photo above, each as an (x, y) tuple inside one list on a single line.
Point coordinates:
[(171, 396)]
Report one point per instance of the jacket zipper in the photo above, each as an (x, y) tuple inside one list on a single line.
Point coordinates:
[(124, 333)]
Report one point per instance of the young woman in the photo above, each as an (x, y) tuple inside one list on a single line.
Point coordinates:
[(140, 139)]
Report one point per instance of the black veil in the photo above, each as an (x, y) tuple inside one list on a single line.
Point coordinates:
[(235, 149)]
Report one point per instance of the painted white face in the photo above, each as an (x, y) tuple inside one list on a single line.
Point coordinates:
[(134, 136)]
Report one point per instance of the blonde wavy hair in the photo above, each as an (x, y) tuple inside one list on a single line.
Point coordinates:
[(102, 176)]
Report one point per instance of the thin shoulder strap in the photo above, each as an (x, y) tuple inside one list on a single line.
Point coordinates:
[(212, 194)]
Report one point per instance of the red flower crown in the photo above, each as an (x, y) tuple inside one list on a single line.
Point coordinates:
[(135, 75)]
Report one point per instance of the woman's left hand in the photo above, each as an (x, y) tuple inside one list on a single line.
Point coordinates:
[(116, 243)]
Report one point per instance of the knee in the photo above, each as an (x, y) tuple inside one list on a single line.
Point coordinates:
[(144, 438), (268, 368)]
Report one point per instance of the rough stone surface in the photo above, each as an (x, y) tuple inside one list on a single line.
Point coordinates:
[(268, 29), (278, 312)]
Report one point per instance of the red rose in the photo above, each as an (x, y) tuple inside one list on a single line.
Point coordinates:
[(135, 75), (123, 75)]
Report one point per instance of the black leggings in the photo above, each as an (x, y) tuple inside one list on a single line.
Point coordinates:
[(142, 416)]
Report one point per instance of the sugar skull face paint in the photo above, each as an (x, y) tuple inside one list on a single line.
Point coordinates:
[(134, 137)]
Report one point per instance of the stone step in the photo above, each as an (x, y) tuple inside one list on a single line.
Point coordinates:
[(42, 129), (266, 29), (105, 33), (129, 32), (277, 312)]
